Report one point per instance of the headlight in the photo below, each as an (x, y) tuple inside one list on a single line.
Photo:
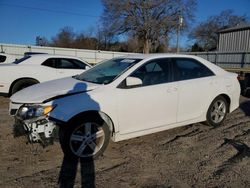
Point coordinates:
[(29, 112)]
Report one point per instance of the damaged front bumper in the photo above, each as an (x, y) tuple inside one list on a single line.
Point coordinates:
[(38, 130)]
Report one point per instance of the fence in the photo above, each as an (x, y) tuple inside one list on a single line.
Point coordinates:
[(227, 60), (91, 56)]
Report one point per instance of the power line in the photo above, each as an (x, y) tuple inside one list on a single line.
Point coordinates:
[(49, 10)]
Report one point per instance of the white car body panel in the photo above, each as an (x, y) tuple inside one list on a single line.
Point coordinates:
[(32, 68), (158, 101), (138, 111), (192, 94), (46, 90)]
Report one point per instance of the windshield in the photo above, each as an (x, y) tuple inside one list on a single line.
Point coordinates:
[(106, 72), (21, 60)]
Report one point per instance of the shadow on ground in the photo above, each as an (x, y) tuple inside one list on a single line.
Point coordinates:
[(69, 170), (245, 107)]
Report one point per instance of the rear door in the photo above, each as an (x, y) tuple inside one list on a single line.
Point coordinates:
[(48, 69), (196, 85)]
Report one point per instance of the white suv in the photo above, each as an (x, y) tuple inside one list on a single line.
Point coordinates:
[(123, 98)]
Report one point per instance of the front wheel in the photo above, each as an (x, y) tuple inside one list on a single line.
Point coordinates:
[(84, 138), (217, 111)]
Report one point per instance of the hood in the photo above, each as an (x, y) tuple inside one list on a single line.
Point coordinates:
[(52, 89)]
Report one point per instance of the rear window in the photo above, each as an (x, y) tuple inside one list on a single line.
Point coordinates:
[(21, 60), (51, 62), (187, 68)]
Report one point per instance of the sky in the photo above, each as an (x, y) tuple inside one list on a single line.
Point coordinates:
[(23, 20)]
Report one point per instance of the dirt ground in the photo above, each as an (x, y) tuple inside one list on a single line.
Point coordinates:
[(192, 156)]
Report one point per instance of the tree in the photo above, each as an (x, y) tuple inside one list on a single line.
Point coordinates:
[(41, 41), (206, 33), (196, 48), (85, 42), (149, 20), (65, 38), (105, 38)]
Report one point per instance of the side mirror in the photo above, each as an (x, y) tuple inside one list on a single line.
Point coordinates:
[(133, 81)]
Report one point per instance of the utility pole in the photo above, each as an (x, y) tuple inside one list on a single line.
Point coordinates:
[(180, 23)]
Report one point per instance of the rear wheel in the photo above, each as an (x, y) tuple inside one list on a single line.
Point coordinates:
[(84, 138), (21, 84), (217, 111)]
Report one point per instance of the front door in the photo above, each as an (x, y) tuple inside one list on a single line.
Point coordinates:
[(152, 104)]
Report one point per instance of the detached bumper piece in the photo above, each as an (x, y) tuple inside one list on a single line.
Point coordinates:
[(40, 131)]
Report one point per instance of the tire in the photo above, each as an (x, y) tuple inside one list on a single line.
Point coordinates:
[(217, 111), (84, 137), (21, 84)]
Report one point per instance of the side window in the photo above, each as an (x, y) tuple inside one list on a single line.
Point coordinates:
[(51, 62), (154, 72), (186, 68), (153, 67), (79, 64), (65, 64)]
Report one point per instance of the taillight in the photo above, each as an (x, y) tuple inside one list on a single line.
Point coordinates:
[(240, 77)]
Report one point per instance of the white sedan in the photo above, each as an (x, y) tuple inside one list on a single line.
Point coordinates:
[(33, 69), (123, 98)]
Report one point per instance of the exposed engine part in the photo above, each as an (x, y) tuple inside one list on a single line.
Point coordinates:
[(42, 131)]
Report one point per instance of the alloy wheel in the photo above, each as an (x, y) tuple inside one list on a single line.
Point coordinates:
[(86, 140), (218, 111)]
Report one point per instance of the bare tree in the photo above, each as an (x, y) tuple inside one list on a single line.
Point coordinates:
[(41, 41), (85, 42), (65, 38), (105, 38), (147, 20), (206, 33)]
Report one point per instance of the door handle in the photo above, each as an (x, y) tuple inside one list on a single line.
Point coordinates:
[(172, 89)]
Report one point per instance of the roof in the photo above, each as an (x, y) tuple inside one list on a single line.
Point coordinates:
[(237, 28), (156, 55), (39, 58), (52, 55)]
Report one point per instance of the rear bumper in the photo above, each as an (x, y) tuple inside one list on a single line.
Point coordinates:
[(235, 97)]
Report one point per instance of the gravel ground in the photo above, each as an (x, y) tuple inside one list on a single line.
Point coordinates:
[(192, 156)]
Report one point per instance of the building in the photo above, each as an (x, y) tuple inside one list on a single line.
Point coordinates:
[(235, 39)]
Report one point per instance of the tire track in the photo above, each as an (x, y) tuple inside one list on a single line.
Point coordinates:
[(188, 134)]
